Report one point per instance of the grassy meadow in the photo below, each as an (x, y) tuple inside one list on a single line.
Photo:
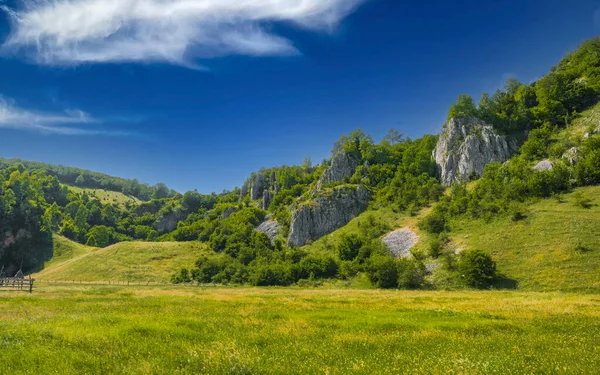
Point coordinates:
[(107, 196), (556, 247), (125, 261), (191, 330)]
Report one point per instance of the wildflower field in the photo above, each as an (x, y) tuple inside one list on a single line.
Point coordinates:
[(190, 330)]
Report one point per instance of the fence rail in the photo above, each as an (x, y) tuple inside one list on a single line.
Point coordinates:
[(11, 283)]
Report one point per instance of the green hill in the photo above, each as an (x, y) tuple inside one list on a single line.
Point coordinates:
[(556, 247), (107, 196), (126, 261)]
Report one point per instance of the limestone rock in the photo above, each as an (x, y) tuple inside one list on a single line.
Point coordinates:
[(266, 201), (228, 212), (168, 221), (400, 242), (544, 165), (326, 213), (244, 190), (342, 166), (259, 183), (270, 228), (466, 145), (572, 155)]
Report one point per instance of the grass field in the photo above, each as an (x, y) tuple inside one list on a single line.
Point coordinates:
[(125, 261), (107, 197), (557, 247), (190, 330)]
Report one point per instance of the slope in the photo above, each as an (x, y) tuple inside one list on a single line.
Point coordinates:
[(556, 247), (126, 261)]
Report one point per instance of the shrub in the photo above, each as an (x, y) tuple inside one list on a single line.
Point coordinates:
[(183, 276), (411, 273), (477, 268), (383, 272), (435, 223), (319, 266), (271, 274), (349, 246)]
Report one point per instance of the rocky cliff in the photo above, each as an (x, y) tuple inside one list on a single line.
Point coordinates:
[(342, 166), (466, 145), (326, 213)]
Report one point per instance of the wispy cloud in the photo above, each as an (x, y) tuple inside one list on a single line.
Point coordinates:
[(67, 123), (174, 31)]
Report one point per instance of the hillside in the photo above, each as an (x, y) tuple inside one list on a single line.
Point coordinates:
[(487, 203), (126, 261), (556, 247), (108, 197)]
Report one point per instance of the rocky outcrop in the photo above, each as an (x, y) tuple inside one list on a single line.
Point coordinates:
[(244, 190), (572, 156), (168, 220), (259, 183), (400, 242), (544, 165), (326, 213), (228, 212), (466, 145), (342, 166), (270, 228), (266, 201)]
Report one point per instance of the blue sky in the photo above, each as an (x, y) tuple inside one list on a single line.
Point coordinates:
[(200, 93)]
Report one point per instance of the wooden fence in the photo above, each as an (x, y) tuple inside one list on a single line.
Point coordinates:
[(12, 283)]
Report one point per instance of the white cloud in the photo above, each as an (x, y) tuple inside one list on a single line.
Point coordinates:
[(174, 31), (13, 117)]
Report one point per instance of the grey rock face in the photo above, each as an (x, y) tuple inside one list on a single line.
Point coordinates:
[(544, 165), (400, 242), (168, 222), (228, 212), (266, 201), (244, 190), (572, 155), (466, 145), (325, 214), (342, 166), (259, 183), (270, 228)]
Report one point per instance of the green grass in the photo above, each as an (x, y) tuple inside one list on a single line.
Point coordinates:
[(107, 197), (190, 330), (557, 247), (65, 249), (126, 261)]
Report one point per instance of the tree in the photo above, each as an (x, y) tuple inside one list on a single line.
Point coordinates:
[(477, 268), (393, 137), (80, 180), (160, 191), (463, 107), (349, 246)]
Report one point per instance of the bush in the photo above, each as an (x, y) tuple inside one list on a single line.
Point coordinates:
[(183, 276), (435, 223), (411, 273), (349, 246), (383, 272), (477, 268), (436, 246), (272, 274), (318, 266)]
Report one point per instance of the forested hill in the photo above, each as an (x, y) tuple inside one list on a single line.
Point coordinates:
[(93, 180), (384, 214)]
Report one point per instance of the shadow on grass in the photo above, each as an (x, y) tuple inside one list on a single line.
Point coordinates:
[(505, 282)]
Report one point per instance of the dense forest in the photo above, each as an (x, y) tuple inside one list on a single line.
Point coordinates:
[(399, 173)]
